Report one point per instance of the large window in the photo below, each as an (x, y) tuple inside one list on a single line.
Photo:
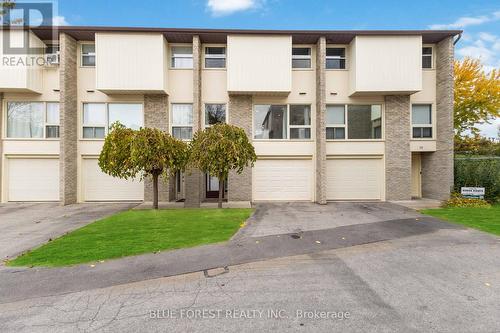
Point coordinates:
[(421, 121), (356, 122), (301, 57), (335, 58), (215, 114), (282, 122), (427, 57), (98, 117), (182, 57), (215, 57), (270, 122), (88, 55), (27, 120), (182, 121)]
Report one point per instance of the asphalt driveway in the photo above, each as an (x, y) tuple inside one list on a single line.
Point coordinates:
[(27, 225)]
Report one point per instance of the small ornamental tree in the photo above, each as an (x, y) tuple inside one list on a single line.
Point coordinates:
[(147, 152), (219, 149)]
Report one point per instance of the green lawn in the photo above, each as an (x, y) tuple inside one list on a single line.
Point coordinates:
[(485, 219), (135, 232)]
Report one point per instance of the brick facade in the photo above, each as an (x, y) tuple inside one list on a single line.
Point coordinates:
[(68, 120), (156, 116), (240, 185), (437, 167), (397, 148), (320, 122)]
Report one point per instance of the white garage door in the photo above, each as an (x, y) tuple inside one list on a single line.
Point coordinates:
[(33, 179), (98, 186), (354, 179), (282, 180)]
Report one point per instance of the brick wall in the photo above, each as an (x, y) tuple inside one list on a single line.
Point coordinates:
[(397, 148), (320, 122), (68, 120), (437, 167)]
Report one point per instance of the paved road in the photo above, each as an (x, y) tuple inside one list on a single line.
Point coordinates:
[(444, 281)]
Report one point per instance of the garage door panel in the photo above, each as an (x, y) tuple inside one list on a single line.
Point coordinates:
[(354, 179), (282, 180), (98, 186), (33, 179)]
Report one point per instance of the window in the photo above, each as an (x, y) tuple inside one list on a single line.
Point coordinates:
[(182, 121), (301, 57), (94, 120), (427, 57), (335, 122), (364, 121), (270, 122), (32, 120), (52, 54), (182, 57), (335, 58), (215, 114), (52, 121), (98, 117), (88, 55), (300, 122), (215, 57), (421, 120)]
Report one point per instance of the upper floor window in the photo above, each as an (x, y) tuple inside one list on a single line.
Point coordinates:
[(98, 117), (88, 55), (215, 114), (29, 120), (52, 54), (335, 58), (301, 57), (182, 57), (282, 122), (182, 121), (427, 57), (358, 122), (421, 120), (215, 57)]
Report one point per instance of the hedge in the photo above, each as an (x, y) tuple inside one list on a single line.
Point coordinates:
[(481, 172)]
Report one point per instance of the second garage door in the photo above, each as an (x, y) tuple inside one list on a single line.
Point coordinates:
[(286, 180), (354, 178), (98, 186)]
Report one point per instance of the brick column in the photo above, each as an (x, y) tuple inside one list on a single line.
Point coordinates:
[(156, 116), (193, 178), (240, 114), (397, 148), (68, 143), (320, 121), (437, 167)]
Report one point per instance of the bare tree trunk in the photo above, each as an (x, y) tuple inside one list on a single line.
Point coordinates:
[(221, 191), (155, 189)]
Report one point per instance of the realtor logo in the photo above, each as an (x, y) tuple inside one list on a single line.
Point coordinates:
[(473, 192)]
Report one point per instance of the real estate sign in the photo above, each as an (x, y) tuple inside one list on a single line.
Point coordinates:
[(473, 192)]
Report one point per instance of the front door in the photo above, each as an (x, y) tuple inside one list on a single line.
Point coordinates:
[(212, 186), (416, 176)]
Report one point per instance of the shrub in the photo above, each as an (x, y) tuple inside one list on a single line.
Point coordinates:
[(459, 201), (479, 172)]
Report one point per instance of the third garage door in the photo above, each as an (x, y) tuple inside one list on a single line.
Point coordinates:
[(354, 178), (282, 179)]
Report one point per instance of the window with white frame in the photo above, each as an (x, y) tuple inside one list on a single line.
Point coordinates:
[(182, 121), (88, 55), (270, 122), (215, 57), (427, 57), (215, 114), (335, 122), (335, 58), (182, 57), (301, 57), (300, 121), (32, 120), (353, 122), (98, 117), (421, 121)]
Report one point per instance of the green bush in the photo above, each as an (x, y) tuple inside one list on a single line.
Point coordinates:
[(480, 172), (458, 200)]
